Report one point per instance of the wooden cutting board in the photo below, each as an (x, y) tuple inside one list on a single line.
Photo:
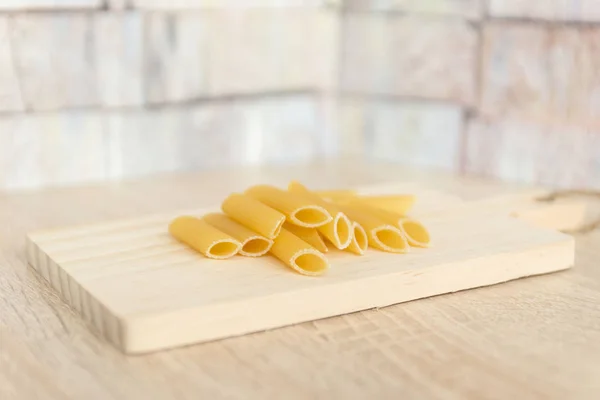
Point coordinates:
[(143, 291)]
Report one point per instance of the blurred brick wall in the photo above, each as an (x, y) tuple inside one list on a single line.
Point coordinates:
[(93, 90), (108, 89), (499, 88)]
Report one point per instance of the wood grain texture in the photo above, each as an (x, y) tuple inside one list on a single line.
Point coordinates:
[(533, 338), (144, 291)]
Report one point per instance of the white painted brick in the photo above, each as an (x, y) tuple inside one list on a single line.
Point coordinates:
[(417, 134), (50, 149), (55, 59), (554, 10), (308, 50), (350, 122), (176, 56), (120, 4), (405, 56), (272, 50), (247, 132), (119, 56), (10, 93), (207, 4), (471, 9), (48, 4), (146, 141), (528, 152), (256, 51), (266, 131), (542, 73), (245, 58)]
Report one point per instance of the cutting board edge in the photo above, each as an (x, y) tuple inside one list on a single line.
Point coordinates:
[(558, 256), (105, 323)]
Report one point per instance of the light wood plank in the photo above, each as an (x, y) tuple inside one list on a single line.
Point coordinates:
[(530, 338), (149, 292)]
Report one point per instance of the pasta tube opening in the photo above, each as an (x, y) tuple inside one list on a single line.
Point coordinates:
[(298, 255), (416, 234), (390, 239), (359, 241), (224, 249), (203, 237), (298, 209), (380, 233), (342, 229), (337, 231), (310, 263), (255, 247), (310, 216)]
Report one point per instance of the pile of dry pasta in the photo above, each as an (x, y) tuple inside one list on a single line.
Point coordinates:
[(297, 226)]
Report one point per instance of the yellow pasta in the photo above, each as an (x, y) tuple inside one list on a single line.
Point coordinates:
[(339, 230), (396, 203), (309, 235), (384, 215), (416, 233), (253, 214), (297, 209), (359, 242), (380, 234), (298, 255), (253, 245), (336, 195), (204, 238)]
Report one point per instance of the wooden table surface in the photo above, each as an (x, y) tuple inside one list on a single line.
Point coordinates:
[(536, 338)]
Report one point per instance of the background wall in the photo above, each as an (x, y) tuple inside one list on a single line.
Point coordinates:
[(94, 90), (500, 88)]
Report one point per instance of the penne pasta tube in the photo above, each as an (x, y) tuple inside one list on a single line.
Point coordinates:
[(380, 234), (203, 237), (253, 214), (339, 230), (253, 245), (309, 235), (298, 210), (384, 215), (336, 195), (416, 233), (298, 255), (359, 243), (398, 204)]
